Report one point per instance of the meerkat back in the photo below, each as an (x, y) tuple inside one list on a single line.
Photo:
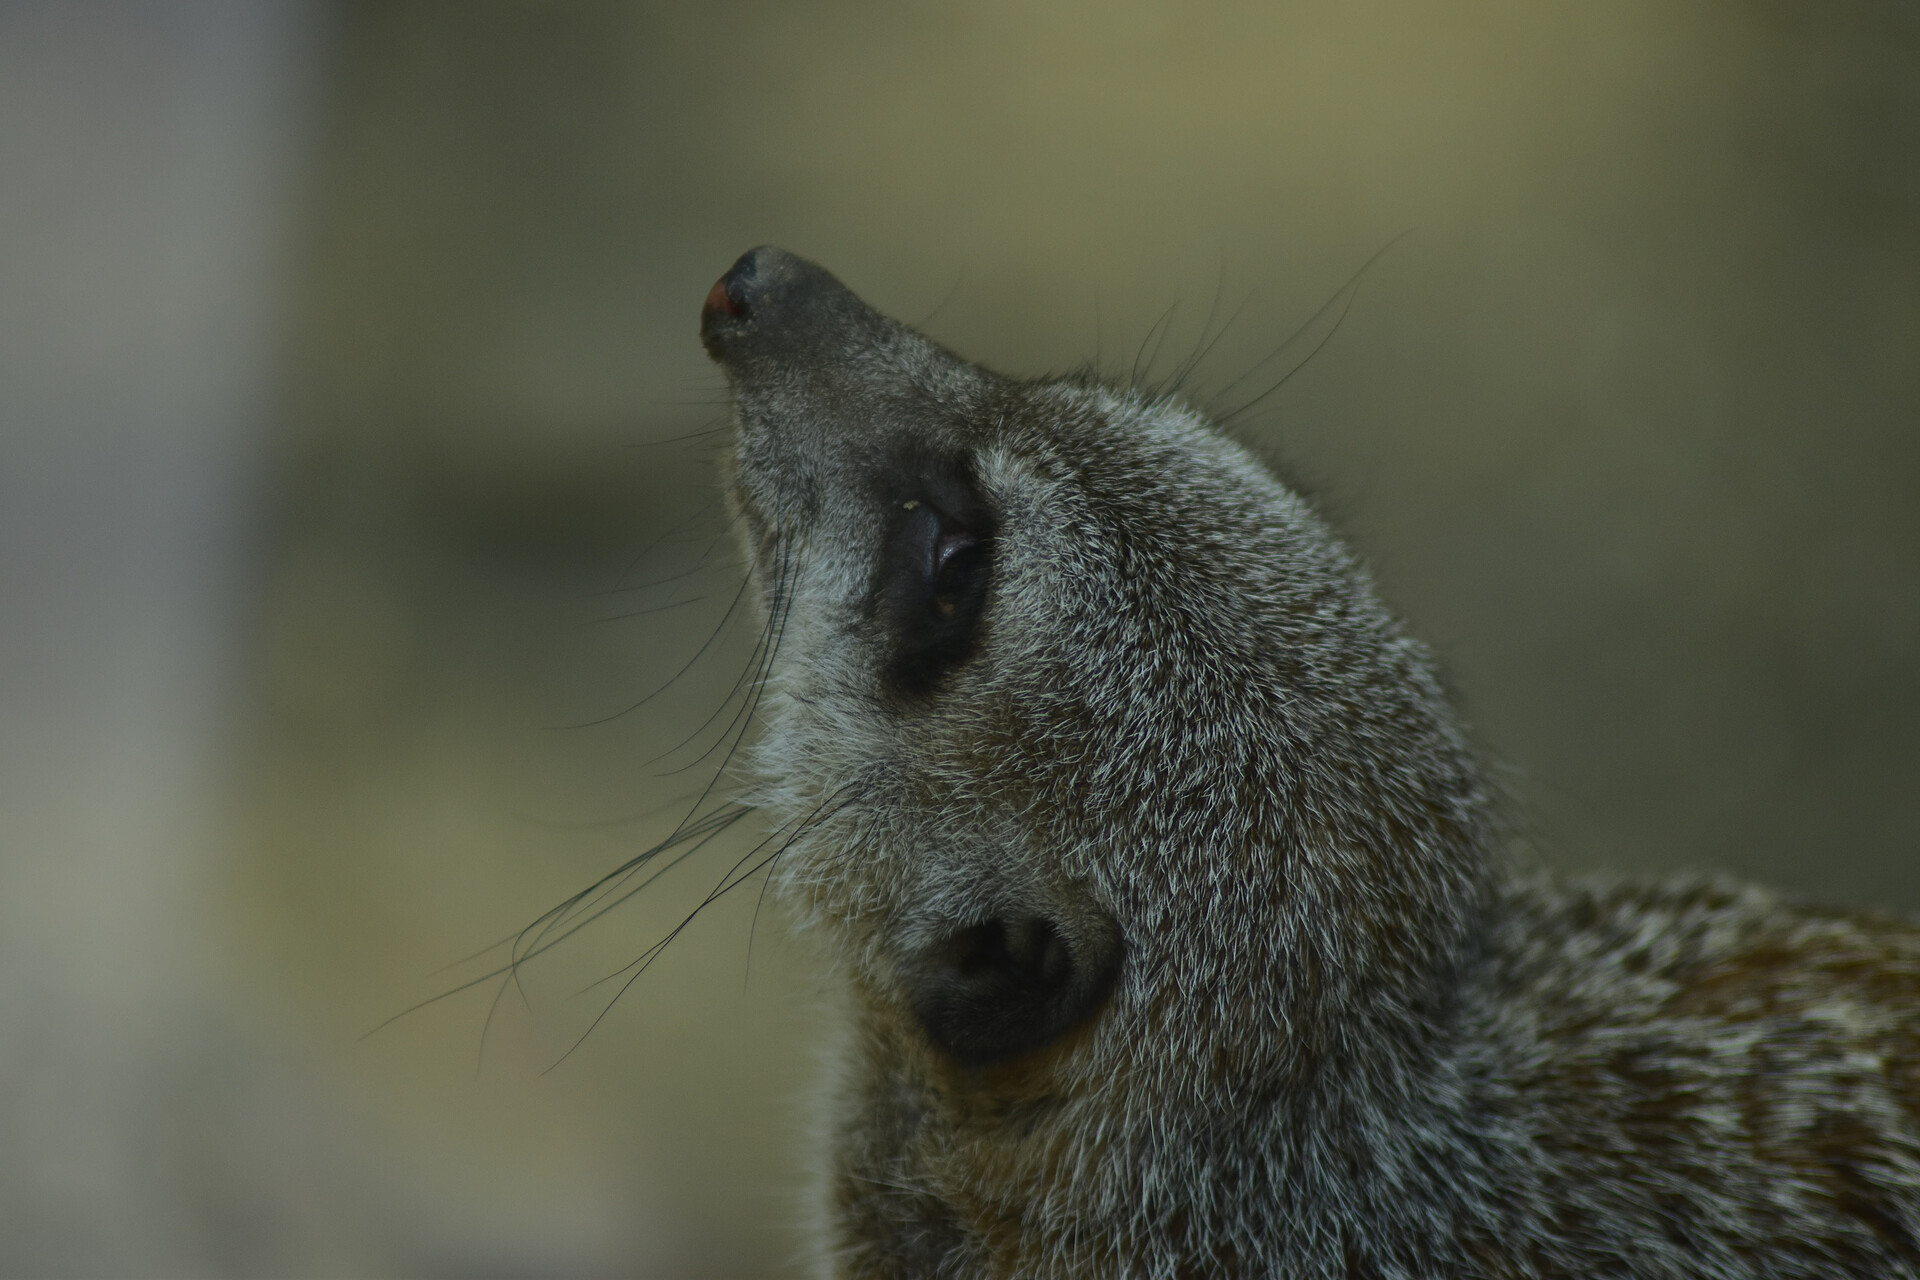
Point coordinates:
[(1168, 896)]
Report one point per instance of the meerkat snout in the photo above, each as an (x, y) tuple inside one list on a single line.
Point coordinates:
[(1170, 901)]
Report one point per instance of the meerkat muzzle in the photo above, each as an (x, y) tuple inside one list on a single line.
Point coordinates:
[(771, 304)]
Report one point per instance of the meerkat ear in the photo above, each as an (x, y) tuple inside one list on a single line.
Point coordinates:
[(1008, 985)]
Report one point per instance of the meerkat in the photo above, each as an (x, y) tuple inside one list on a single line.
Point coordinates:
[(1170, 900)]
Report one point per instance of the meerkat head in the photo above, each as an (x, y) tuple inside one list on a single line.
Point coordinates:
[(1096, 749)]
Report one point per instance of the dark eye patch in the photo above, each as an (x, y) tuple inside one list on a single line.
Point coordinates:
[(931, 584)]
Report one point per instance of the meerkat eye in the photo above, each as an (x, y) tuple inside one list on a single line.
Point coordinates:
[(959, 565), (932, 586)]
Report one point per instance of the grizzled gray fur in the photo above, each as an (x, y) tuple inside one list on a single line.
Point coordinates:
[(1169, 899)]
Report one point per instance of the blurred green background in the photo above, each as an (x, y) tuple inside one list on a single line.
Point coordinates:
[(1626, 426)]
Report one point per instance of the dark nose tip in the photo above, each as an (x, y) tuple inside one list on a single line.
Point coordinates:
[(744, 298), (770, 301), (728, 297)]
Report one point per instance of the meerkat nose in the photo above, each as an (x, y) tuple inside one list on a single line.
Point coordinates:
[(734, 293), (718, 299), (771, 303), (749, 295)]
